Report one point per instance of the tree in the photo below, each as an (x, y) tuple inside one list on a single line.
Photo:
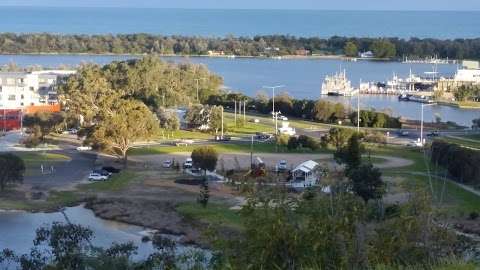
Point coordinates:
[(350, 49), (205, 158), (293, 143), (351, 155), (338, 137), (383, 48), (43, 123), (129, 122), (12, 169), (204, 194), (366, 182)]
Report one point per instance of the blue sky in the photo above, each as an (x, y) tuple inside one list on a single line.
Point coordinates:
[(265, 4)]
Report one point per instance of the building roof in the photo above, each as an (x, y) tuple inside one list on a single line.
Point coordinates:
[(306, 166)]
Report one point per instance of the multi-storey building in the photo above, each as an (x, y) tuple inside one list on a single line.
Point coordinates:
[(20, 90), (28, 92)]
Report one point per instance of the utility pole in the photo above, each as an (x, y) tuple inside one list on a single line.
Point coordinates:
[(244, 111), (273, 104), (235, 102), (358, 107), (222, 122), (251, 154)]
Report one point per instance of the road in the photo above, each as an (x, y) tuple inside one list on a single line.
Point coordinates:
[(65, 174)]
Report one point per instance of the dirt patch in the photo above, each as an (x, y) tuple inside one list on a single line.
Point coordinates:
[(158, 215)]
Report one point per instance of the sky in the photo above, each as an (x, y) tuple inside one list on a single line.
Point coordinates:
[(262, 4)]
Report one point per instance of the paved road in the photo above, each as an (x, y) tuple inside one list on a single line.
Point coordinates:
[(65, 174)]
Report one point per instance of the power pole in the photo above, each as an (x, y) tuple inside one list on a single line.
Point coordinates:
[(222, 122), (358, 107), (235, 102), (244, 111)]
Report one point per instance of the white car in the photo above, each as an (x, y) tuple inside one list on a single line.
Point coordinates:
[(282, 166), (283, 118), (167, 164), (97, 177), (188, 164), (415, 144), (84, 148)]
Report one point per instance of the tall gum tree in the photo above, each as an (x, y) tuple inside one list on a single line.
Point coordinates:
[(130, 122)]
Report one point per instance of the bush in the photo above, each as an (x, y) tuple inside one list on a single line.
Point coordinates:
[(32, 141), (461, 163), (473, 215), (293, 143), (308, 142)]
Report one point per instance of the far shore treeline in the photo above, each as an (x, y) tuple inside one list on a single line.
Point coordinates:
[(269, 45)]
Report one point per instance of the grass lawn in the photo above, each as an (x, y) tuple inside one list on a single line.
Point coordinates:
[(37, 158), (115, 183), (214, 214), (221, 148), (468, 142)]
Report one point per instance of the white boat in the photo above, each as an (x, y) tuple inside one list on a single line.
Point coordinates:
[(337, 85)]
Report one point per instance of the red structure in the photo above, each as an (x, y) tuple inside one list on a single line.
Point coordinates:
[(10, 119)]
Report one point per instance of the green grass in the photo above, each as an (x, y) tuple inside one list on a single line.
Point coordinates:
[(213, 214), (221, 148), (467, 143), (115, 183), (37, 158), (413, 154)]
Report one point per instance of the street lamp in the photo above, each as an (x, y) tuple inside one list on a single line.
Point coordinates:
[(421, 124), (273, 104)]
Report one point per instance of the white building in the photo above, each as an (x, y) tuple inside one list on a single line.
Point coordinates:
[(305, 175), (19, 90)]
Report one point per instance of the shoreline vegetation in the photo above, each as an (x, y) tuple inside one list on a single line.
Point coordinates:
[(257, 46)]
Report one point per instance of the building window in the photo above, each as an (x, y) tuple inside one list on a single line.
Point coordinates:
[(22, 97), (21, 104), (32, 89), (11, 97)]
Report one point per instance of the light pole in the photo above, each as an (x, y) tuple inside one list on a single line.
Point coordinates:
[(421, 123), (273, 104)]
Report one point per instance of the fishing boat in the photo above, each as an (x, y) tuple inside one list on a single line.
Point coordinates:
[(337, 85)]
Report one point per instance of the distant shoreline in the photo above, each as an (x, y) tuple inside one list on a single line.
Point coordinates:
[(280, 57)]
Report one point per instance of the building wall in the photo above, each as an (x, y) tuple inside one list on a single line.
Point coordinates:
[(20, 90)]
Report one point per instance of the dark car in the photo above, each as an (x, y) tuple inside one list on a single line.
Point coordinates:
[(434, 134), (111, 169)]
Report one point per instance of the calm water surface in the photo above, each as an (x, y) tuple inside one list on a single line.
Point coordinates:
[(205, 22), (302, 78)]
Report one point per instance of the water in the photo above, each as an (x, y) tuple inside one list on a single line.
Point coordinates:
[(302, 78), (405, 24), (18, 230)]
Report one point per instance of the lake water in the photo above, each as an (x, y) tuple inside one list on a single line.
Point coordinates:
[(302, 78), (205, 22), (17, 230)]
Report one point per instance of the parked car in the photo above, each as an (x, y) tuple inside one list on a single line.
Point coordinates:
[(111, 169), (103, 172), (254, 120), (404, 133), (262, 136), (283, 118), (167, 163), (414, 144), (73, 131), (282, 166), (188, 164), (97, 177), (223, 138), (84, 148), (435, 133)]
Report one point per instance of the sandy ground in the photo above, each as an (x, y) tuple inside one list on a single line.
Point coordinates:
[(242, 160)]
